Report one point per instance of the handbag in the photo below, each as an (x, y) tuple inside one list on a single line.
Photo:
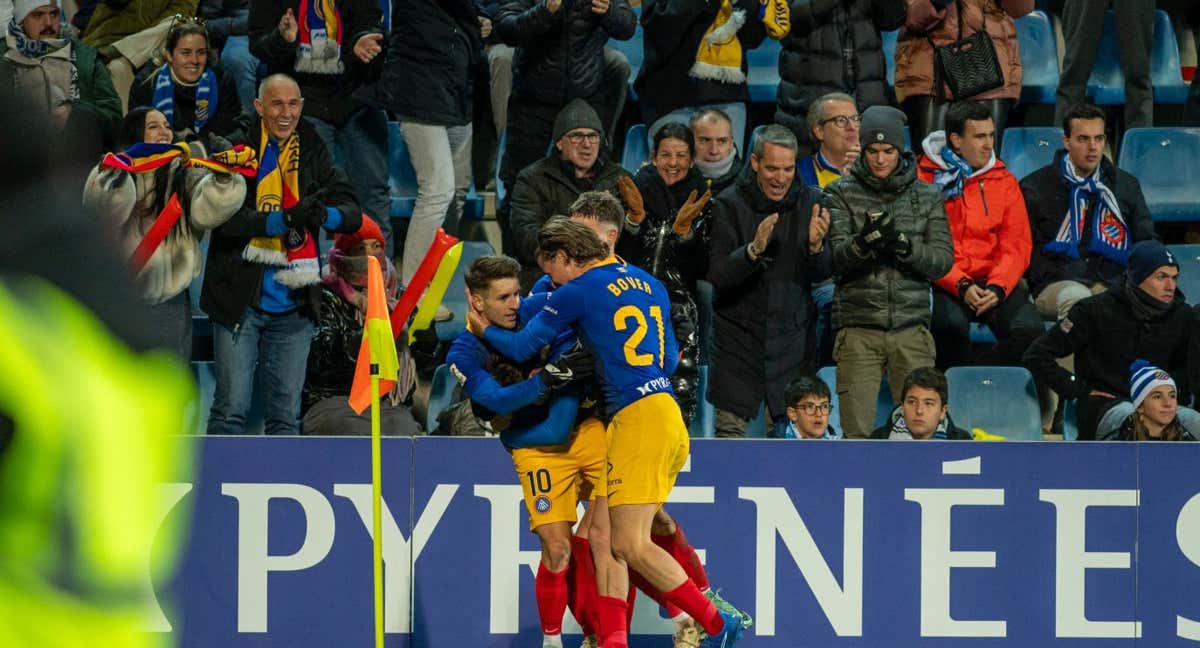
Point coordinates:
[(968, 66)]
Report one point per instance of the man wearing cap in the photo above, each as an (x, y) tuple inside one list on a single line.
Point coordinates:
[(548, 187), (890, 242), (1142, 316)]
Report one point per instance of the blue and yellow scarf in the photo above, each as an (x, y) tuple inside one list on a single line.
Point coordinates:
[(206, 97)]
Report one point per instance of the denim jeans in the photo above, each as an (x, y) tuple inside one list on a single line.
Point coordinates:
[(271, 348), (441, 156), (239, 63), (360, 149)]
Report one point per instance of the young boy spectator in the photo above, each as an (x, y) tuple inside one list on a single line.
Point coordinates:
[(809, 404), (924, 412)]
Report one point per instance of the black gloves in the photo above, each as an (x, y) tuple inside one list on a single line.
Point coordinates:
[(877, 232), (900, 246), (574, 365), (309, 213)]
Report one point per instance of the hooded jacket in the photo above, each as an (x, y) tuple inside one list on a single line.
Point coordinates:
[(988, 223), (880, 291), (765, 319)]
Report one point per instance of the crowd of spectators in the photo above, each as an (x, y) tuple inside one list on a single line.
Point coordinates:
[(262, 125)]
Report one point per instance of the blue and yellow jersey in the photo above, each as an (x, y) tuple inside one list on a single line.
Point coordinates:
[(622, 314)]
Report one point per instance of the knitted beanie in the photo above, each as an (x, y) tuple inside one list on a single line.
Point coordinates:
[(1143, 378), (368, 230)]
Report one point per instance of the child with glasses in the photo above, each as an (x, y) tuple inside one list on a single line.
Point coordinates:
[(809, 405)]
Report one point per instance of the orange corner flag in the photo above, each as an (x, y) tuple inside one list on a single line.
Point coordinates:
[(378, 346)]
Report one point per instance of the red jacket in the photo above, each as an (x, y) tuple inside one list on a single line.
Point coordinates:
[(989, 226)]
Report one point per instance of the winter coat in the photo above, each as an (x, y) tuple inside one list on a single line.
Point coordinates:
[(112, 21), (98, 100), (880, 291), (223, 123), (814, 62), (560, 56), (989, 227), (765, 318), (129, 203), (675, 261), (225, 18), (547, 188), (1106, 333), (326, 96), (914, 54), (673, 31), (233, 284), (433, 55), (1047, 196)]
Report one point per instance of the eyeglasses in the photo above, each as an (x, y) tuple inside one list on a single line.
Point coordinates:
[(813, 408), (578, 138), (843, 121)]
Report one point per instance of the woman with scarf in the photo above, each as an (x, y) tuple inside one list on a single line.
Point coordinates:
[(1152, 412), (666, 233), (196, 98), (335, 345), (157, 201)]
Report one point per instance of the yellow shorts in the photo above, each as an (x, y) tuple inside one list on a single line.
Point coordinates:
[(555, 478), (647, 447)]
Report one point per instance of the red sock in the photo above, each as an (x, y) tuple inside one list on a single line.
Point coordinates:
[(679, 548), (551, 590), (636, 580), (689, 599), (581, 585), (613, 625), (630, 604)]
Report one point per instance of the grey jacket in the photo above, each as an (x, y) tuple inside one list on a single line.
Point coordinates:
[(880, 291)]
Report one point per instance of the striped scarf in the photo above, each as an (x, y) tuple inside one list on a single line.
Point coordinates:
[(206, 97), (320, 49), (278, 188), (143, 157), (1110, 235), (952, 170)]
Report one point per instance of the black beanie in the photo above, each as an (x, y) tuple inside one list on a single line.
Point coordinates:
[(577, 114)]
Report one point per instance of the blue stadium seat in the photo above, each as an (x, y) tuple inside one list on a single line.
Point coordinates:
[(1107, 83), (637, 149), (981, 334), (1039, 58), (442, 391), (883, 404), (1165, 161), (889, 54), (1028, 149), (702, 426), (999, 400), (455, 298), (762, 64), (500, 145), (1188, 258), (634, 50), (1070, 422), (402, 181)]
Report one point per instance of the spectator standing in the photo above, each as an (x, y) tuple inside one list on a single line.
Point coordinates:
[(834, 47), (262, 278), (934, 23), (229, 32), (990, 230), (768, 249), (1142, 316), (924, 414), (547, 187), (338, 338), (717, 155), (890, 242), (1082, 25), (196, 98), (331, 48), (1153, 412), (434, 53), (808, 406)]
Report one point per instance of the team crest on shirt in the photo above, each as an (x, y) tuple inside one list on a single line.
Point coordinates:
[(202, 110), (542, 504)]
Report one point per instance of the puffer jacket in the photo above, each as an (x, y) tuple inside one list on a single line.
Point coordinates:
[(813, 60), (880, 291), (914, 54), (560, 56), (989, 227)]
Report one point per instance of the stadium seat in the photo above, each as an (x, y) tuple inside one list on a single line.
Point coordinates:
[(1165, 161), (455, 298), (402, 181), (1039, 58), (981, 334), (998, 400), (883, 404), (637, 149), (762, 65), (889, 54), (1107, 82), (1070, 422), (702, 426), (634, 50), (1028, 149), (1188, 258), (502, 140), (442, 394)]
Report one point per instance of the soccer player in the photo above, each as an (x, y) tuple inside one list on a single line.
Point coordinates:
[(618, 311)]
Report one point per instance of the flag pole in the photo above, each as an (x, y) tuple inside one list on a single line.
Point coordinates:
[(376, 505)]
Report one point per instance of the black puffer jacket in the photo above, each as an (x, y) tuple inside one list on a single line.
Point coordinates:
[(560, 56), (881, 291), (765, 319), (675, 261), (1047, 196), (433, 55), (813, 60)]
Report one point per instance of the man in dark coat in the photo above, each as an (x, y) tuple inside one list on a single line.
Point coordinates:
[(768, 249), (1142, 316)]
